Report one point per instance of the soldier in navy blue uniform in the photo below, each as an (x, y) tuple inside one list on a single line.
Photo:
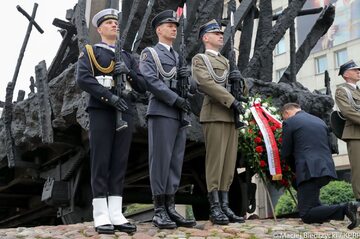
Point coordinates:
[(167, 135), (109, 149)]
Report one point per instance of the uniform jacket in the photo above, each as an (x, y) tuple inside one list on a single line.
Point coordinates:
[(217, 100), (352, 125), (162, 98), (306, 144), (100, 95)]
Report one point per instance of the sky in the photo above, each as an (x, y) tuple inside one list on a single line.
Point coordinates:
[(40, 46)]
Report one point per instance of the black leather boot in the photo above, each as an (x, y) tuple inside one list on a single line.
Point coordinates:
[(224, 203), (217, 216), (352, 213), (161, 218), (174, 215)]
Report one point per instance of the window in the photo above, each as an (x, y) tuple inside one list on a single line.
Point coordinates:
[(321, 64), (340, 57), (279, 73), (280, 48)]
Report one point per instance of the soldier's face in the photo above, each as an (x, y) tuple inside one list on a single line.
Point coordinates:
[(108, 29), (167, 31), (215, 39), (353, 75)]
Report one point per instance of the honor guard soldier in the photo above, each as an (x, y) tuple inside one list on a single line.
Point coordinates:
[(211, 72), (167, 136), (109, 149), (347, 98)]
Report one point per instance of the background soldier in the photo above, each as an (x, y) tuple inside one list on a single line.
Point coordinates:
[(350, 109), (210, 71), (167, 137), (109, 149)]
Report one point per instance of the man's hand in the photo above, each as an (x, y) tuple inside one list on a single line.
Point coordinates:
[(183, 72), (234, 76), (236, 105), (120, 68), (182, 104), (118, 103)]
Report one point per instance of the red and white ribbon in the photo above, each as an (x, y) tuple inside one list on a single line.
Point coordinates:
[(262, 118)]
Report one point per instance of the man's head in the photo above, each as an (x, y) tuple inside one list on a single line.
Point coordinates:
[(211, 35), (350, 72), (165, 25), (289, 109), (106, 23)]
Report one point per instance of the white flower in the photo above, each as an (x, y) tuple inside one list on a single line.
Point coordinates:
[(272, 109), (242, 131), (247, 113), (241, 118), (246, 122), (265, 104), (257, 100)]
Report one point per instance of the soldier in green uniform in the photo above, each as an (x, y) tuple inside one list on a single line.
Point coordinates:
[(349, 106), (211, 72)]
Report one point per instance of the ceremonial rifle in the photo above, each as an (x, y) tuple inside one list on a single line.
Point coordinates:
[(236, 85), (183, 84), (120, 79)]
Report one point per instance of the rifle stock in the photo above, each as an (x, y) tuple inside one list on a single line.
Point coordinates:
[(119, 79)]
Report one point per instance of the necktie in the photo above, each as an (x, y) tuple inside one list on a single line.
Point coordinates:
[(172, 52)]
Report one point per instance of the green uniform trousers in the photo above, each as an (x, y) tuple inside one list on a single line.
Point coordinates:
[(221, 143), (353, 147)]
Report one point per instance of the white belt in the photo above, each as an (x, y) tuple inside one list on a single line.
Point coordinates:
[(108, 82)]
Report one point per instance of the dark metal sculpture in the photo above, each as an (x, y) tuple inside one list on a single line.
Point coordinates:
[(44, 137)]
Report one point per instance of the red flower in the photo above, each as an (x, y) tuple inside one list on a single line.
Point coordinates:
[(273, 128), (259, 149), (262, 163), (252, 122), (280, 140), (258, 140), (250, 131), (259, 133), (284, 182)]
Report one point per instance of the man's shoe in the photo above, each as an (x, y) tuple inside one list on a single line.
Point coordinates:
[(224, 204), (161, 219), (174, 215), (352, 214), (105, 229), (216, 216), (126, 227)]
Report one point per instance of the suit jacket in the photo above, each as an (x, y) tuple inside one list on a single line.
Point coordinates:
[(217, 100), (162, 98), (100, 95), (352, 125), (306, 141)]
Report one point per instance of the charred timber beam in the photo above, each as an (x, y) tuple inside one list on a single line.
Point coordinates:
[(80, 24), (239, 16), (327, 83), (2, 104), (264, 30), (292, 44), (130, 23), (20, 96), (321, 26), (56, 67), (143, 25), (278, 31), (44, 103), (9, 141), (246, 39), (302, 12)]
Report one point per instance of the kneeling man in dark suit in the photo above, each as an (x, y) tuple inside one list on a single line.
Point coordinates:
[(306, 145)]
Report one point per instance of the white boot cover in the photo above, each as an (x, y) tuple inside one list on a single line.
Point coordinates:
[(100, 212), (115, 210)]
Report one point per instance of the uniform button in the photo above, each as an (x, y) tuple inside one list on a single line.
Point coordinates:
[(106, 100), (102, 98)]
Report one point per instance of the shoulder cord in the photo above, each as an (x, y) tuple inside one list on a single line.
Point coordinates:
[(217, 79), (351, 100), (159, 67), (105, 70)]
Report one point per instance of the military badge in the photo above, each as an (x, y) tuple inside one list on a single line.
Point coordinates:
[(143, 56), (81, 54)]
